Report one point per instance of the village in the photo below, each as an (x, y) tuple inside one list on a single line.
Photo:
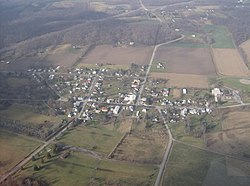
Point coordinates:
[(95, 93)]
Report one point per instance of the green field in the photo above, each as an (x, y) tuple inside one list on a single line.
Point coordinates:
[(192, 166), (95, 137), (79, 169), (187, 44), (188, 166), (220, 35), (26, 114), (14, 147)]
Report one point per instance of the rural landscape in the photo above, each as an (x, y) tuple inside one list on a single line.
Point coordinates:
[(122, 92)]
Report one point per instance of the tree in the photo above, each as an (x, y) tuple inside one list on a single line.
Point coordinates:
[(36, 167), (48, 155)]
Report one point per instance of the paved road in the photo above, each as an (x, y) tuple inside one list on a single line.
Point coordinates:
[(150, 65), (166, 154)]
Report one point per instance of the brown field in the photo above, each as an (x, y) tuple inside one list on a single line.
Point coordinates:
[(63, 55), (176, 93), (143, 147), (118, 55), (237, 167), (246, 48), (186, 60), (229, 63), (236, 119), (234, 142), (183, 80)]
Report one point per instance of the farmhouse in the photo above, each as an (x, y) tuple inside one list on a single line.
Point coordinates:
[(216, 93), (116, 110)]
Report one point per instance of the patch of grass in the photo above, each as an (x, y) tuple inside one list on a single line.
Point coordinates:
[(123, 173), (80, 169), (94, 137), (220, 35), (188, 166), (77, 169), (26, 114), (144, 146), (159, 69), (15, 83), (187, 44), (104, 66), (178, 130), (14, 147)]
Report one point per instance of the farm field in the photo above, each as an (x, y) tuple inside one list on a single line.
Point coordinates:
[(229, 63), (188, 166), (26, 114), (143, 146), (186, 60), (246, 48), (236, 119), (22, 64), (80, 169), (62, 55), (233, 142), (106, 54), (182, 80), (97, 138), (14, 147), (220, 35)]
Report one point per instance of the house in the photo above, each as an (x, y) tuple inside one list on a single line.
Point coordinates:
[(184, 91), (135, 83), (216, 93), (116, 110)]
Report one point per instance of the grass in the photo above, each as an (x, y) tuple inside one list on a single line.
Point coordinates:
[(14, 147), (178, 130), (145, 146), (188, 166), (105, 66), (221, 36), (155, 69), (26, 114), (80, 169), (123, 173), (16, 83), (95, 137), (77, 169), (187, 44)]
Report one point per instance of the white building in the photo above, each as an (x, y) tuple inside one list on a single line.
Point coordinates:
[(116, 110)]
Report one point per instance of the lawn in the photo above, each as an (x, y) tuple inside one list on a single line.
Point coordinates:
[(14, 147), (220, 35), (188, 166), (80, 169), (26, 114), (94, 137)]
